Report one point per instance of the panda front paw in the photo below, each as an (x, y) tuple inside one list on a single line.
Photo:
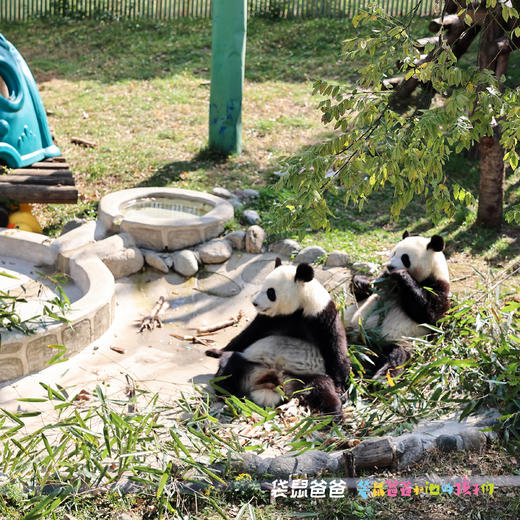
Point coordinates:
[(361, 287), (214, 353), (399, 274)]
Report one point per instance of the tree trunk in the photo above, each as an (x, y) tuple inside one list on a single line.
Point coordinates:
[(491, 186), (492, 168)]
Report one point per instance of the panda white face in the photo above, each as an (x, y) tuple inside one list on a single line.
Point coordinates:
[(289, 288), (421, 257)]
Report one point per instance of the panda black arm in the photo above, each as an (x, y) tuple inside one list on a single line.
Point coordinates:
[(421, 304), (259, 328), (328, 334)]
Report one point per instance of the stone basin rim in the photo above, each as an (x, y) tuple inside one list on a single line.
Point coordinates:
[(110, 208)]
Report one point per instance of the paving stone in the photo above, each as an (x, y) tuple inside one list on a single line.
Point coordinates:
[(310, 254), (185, 262), (251, 216), (215, 251), (255, 237), (101, 321), (38, 352), (337, 259), (77, 336), (237, 239), (286, 247), (10, 368)]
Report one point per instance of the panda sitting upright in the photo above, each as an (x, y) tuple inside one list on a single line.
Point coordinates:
[(415, 291), (296, 342)]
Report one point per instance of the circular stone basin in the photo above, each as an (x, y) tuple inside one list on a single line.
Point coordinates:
[(165, 218), (28, 265)]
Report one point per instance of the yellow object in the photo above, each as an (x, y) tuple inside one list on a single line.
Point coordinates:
[(24, 220)]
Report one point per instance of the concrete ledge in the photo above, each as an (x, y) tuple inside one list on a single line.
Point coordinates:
[(90, 316), (165, 233)]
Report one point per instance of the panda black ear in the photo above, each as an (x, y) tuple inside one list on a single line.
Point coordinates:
[(304, 273), (436, 243), (406, 234), (277, 262)]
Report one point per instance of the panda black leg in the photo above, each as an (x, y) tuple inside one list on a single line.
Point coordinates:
[(392, 358), (233, 366), (321, 396)]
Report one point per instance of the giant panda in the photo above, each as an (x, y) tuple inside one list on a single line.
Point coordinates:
[(296, 341), (414, 292)]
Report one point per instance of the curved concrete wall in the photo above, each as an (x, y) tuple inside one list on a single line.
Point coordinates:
[(90, 316)]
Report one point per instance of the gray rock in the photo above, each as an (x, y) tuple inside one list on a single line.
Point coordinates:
[(124, 261), (449, 443), (337, 259), (110, 245), (310, 254), (222, 192), (156, 260), (255, 237), (185, 263), (473, 439), (285, 247), (237, 239), (409, 449), (72, 224), (366, 267), (248, 193), (215, 251), (235, 202), (251, 216)]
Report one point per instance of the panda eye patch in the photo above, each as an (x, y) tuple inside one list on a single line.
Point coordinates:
[(406, 260), (271, 294)]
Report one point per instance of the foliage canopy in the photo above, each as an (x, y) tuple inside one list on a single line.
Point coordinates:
[(375, 146)]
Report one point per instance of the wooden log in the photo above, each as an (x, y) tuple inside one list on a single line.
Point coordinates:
[(37, 173), (372, 453), (48, 165), (38, 193), (50, 180)]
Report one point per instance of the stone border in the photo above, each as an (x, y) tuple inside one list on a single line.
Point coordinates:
[(89, 317), (160, 234), (397, 453)]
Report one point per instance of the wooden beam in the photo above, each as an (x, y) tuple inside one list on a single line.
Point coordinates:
[(48, 165), (51, 180), (38, 193), (35, 172)]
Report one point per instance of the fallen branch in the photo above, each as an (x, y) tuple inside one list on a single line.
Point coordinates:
[(222, 324), (153, 320), (82, 142), (195, 339)]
